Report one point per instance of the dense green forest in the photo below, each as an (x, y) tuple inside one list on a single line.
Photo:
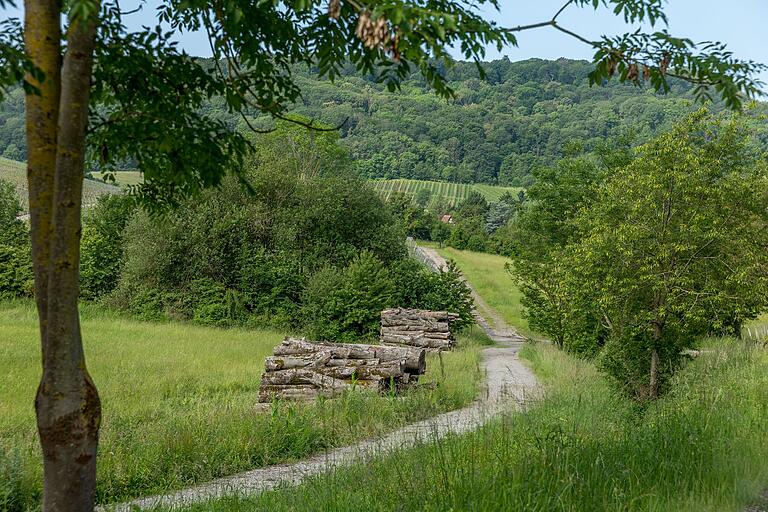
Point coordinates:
[(522, 115)]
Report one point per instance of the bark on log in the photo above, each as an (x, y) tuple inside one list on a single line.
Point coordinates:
[(418, 313), (415, 359), (392, 370), (302, 376)]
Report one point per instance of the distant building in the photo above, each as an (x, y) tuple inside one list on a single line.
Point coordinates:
[(446, 219)]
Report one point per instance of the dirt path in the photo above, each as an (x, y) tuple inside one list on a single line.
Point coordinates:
[(508, 385)]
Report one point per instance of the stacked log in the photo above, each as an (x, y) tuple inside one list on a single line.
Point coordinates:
[(430, 330), (304, 370)]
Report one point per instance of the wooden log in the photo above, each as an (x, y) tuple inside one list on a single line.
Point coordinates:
[(267, 393), (415, 359), (390, 370), (302, 376), (274, 363), (416, 324), (421, 342), (419, 313)]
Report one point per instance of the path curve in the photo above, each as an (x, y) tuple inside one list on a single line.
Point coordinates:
[(508, 385)]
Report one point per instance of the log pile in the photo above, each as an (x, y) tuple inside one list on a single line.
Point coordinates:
[(429, 330), (304, 370)]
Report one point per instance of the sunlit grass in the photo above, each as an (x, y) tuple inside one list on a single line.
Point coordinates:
[(180, 404), (581, 448), (487, 275), (16, 173), (122, 178)]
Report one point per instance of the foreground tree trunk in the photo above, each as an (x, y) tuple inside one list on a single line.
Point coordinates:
[(67, 404)]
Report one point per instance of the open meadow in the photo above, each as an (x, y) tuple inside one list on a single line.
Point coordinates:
[(180, 404), (581, 448), (16, 173), (122, 178)]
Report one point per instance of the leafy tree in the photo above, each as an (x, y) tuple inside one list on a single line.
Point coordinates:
[(672, 248), (88, 86)]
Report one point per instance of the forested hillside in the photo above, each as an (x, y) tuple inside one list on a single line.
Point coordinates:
[(522, 115)]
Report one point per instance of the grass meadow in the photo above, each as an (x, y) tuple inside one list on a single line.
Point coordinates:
[(580, 448), (487, 275), (448, 193), (16, 173), (122, 178), (179, 404)]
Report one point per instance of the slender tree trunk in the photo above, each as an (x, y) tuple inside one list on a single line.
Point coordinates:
[(67, 404), (654, 384), (42, 39)]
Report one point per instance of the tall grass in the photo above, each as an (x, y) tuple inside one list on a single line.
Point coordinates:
[(581, 448), (179, 404), (487, 275)]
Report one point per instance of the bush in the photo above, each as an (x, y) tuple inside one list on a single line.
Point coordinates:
[(101, 246), (16, 277), (347, 305)]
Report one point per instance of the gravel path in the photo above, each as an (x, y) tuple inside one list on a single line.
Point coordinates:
[(508, 385)]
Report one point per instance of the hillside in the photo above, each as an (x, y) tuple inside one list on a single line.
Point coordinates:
[(16, 173), (524, 114), (448, 194)]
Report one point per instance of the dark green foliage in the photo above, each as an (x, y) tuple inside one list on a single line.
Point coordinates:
[(414, 135), (347, 304), (310, 248), (15, 257), (101, 246), (639, 263), (447, 291)]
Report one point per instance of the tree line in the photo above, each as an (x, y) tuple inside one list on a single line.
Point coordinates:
[(632, 256), (496, 130)]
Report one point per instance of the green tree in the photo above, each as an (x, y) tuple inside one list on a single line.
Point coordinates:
[(673, 248), (84, 81)]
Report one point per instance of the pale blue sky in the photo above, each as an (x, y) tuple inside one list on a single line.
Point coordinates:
[(739, 23)]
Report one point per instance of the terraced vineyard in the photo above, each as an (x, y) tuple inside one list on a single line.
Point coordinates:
[(16, 173), (450, 193)]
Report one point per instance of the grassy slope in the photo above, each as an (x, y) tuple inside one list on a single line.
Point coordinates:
[(123, 178), (16, 173), (581, 448), (179, 404), (452, 193), (487, 275)]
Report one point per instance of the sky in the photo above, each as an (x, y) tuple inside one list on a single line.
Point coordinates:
[(739, 23)]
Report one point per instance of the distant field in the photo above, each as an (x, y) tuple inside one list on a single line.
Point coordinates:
[(122, 178), (16, 173), (451, 193)]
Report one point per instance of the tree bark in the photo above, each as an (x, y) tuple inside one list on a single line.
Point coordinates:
[(42, 40), (67, 404), (654, 384), (415, 358)]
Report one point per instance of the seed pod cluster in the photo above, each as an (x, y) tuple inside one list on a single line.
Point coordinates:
[(334, 9), (373, 33)]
